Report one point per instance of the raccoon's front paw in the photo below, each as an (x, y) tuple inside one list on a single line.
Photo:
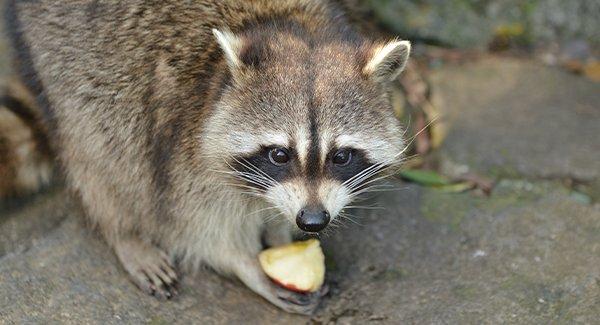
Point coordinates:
[(149, 268), (249, 271), (301, 303)]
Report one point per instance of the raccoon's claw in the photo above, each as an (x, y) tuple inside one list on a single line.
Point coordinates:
[(149, 268), (295, 298), (302, 303), (157, 283)]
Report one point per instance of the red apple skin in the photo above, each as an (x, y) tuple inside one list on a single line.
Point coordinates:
[(290, 287)]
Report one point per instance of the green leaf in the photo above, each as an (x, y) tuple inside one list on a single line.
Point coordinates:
[(457, 187), (424, 177)]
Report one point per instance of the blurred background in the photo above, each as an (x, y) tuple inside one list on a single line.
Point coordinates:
[(552, 25), (495, 217), (466, 52)]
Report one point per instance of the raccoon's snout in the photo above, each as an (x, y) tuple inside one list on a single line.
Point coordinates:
[(312, 219)]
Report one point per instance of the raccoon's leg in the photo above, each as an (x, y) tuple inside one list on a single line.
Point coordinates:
[(277, 233), (241, 260), (251, 274), (148, 266)]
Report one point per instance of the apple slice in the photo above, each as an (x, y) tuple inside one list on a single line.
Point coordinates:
[(299, 266)]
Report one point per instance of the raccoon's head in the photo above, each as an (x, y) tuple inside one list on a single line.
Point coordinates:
[(303, 120)]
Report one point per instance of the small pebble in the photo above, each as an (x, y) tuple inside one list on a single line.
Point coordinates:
[(479, 253)]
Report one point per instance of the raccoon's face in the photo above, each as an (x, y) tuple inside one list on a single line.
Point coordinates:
[(306, 124)]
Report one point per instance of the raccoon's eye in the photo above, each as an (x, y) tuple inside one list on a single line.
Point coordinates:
[(279, 156), (342, 157)]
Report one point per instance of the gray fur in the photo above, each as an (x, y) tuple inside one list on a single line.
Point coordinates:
[(146, 115)]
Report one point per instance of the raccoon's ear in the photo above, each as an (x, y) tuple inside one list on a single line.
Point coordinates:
[(231, 46), (241, 52), (385, 62)]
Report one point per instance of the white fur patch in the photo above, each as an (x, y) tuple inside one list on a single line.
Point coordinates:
[(394, 53), (231, 46), (292, 196), (334, 196), (247, 143), (377, 150), (325, 144), (275, 139), (302, 144), (289, 197)]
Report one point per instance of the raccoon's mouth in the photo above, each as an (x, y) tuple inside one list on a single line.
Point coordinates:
[(312, 219)]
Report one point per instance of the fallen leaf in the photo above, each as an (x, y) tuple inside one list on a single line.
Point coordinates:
[(457, 188), (573, 65), (509, 30), (424, 177), (592, 71), (414, 162), (478, 181)]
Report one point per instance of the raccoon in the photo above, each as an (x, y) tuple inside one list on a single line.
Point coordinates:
[(26, 163), (192, 129)]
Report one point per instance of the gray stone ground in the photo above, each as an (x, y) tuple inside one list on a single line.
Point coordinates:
[(528, 254)]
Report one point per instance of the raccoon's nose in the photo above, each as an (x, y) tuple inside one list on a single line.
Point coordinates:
[(312, 220)]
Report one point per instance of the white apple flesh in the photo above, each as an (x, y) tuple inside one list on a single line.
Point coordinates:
[(299, 266)]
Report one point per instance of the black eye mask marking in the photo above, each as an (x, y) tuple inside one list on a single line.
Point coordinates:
[(258, 171), (358, 163), (258, 168)]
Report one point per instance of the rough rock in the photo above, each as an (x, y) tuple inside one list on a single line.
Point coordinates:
[(511, 117), (475, 23)]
